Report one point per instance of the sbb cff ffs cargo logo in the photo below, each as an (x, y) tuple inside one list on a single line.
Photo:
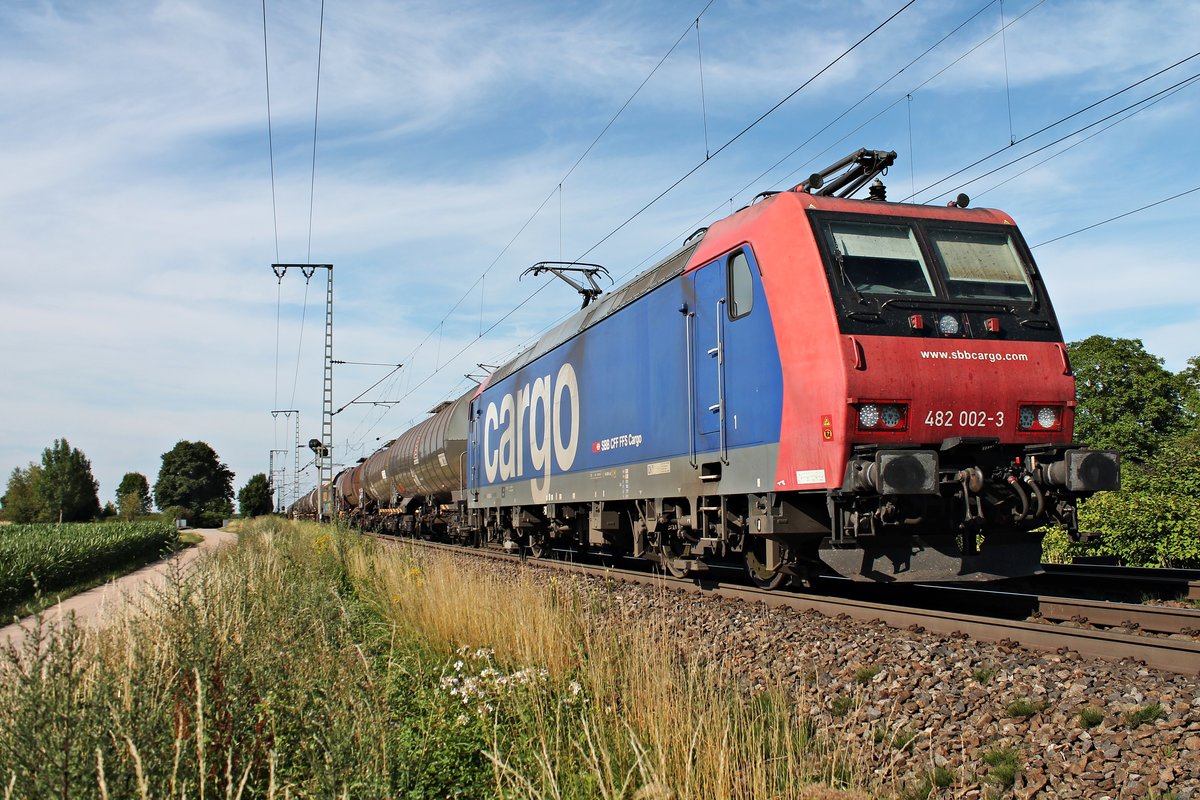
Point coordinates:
[(532, 417)]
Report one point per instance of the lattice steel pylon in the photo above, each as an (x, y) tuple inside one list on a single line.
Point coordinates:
[(287, 414), (325, 468), (278, 481), (324, 453)]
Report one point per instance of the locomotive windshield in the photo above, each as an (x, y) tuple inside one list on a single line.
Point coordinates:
[(981, 264), (884, 268), (879, 259)]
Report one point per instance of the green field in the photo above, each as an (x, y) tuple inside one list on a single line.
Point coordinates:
[(46, 558)]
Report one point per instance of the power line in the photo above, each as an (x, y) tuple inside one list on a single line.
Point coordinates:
[(748, 128), (1118, 216), (871, 93), (976, 195), (1048, 127), (648, 205), (557, 189), (270, 134), (1116, 113), (316, 108)]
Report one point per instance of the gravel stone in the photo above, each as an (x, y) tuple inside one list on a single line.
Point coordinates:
[(953, 691)]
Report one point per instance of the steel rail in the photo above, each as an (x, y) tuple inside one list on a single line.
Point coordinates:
[(1185, 582), (1168, 654), (1155, 619)]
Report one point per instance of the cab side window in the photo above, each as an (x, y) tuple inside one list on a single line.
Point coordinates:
[(741, 285)]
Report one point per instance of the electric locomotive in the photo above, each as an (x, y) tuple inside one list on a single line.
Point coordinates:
[(813, 384)]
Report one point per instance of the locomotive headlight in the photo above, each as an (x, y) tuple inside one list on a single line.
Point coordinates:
[(877, 416), (868, 415), (948, 324), (890, 416), (1040, 418)]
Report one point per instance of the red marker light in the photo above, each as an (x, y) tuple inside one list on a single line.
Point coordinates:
[(916, 322), (992, 324)]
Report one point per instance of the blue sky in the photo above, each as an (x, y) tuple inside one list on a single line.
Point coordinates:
[(137, 307)]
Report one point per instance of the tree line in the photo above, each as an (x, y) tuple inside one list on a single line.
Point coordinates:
[(192, 484)]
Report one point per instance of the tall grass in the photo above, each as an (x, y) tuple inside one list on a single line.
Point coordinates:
[(308, 663), (47, 557)]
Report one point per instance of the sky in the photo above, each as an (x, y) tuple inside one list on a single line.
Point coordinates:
[(144, 196)]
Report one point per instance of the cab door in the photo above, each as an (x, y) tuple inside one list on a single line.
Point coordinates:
[(724, 338)]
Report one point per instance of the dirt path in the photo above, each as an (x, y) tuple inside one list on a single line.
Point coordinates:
[(90, 607)]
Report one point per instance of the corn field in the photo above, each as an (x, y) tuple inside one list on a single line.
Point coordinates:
[(48, 557)]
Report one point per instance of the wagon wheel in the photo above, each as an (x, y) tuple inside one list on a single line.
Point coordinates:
[(756, 560)]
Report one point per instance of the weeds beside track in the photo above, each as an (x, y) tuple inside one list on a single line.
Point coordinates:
[(306, 662)]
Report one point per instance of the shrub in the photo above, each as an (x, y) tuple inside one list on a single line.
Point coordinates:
[(1090, 717)]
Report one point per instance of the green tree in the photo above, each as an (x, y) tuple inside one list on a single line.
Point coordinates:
[(1190, 386), (1127, 400), (66, 484), (21, 501), (254, 499), (193, 477), (133, 495)]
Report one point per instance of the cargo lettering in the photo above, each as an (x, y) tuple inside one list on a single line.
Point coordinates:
[(533, 414)]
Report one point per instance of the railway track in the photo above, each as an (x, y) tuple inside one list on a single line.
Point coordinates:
[(1107, 633), (1183, 584)]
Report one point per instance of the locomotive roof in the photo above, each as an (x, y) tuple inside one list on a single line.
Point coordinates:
[(604, 306)]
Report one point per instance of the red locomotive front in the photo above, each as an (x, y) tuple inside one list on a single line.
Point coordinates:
[(928, 398)]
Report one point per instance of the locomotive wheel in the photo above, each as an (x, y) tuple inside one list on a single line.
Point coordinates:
[(760, 576), (671, 550), (538, 546)]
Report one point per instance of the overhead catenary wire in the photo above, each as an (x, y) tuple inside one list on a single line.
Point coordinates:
[(1190, 79), (1045, 128), (975, 195), (312, 186), (906, 96), (1118, 216), (557, 189), (728, 143)]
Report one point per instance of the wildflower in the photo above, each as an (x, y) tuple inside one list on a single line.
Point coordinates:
[(458, 665)]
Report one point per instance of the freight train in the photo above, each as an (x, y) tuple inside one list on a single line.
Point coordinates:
[(815, 384)]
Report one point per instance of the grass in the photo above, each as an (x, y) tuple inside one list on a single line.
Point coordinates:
[(1090, 717), (937, 778), (1005, 765), (863, 675), (304, 662), (1143, 714), (983, 675), (843, 705), (1024, 709), (43, 564)]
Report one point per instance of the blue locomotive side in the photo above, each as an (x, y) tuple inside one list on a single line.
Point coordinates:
[(641, 386)]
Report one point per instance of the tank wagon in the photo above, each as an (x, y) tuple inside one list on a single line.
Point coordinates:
[(812, 384)]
